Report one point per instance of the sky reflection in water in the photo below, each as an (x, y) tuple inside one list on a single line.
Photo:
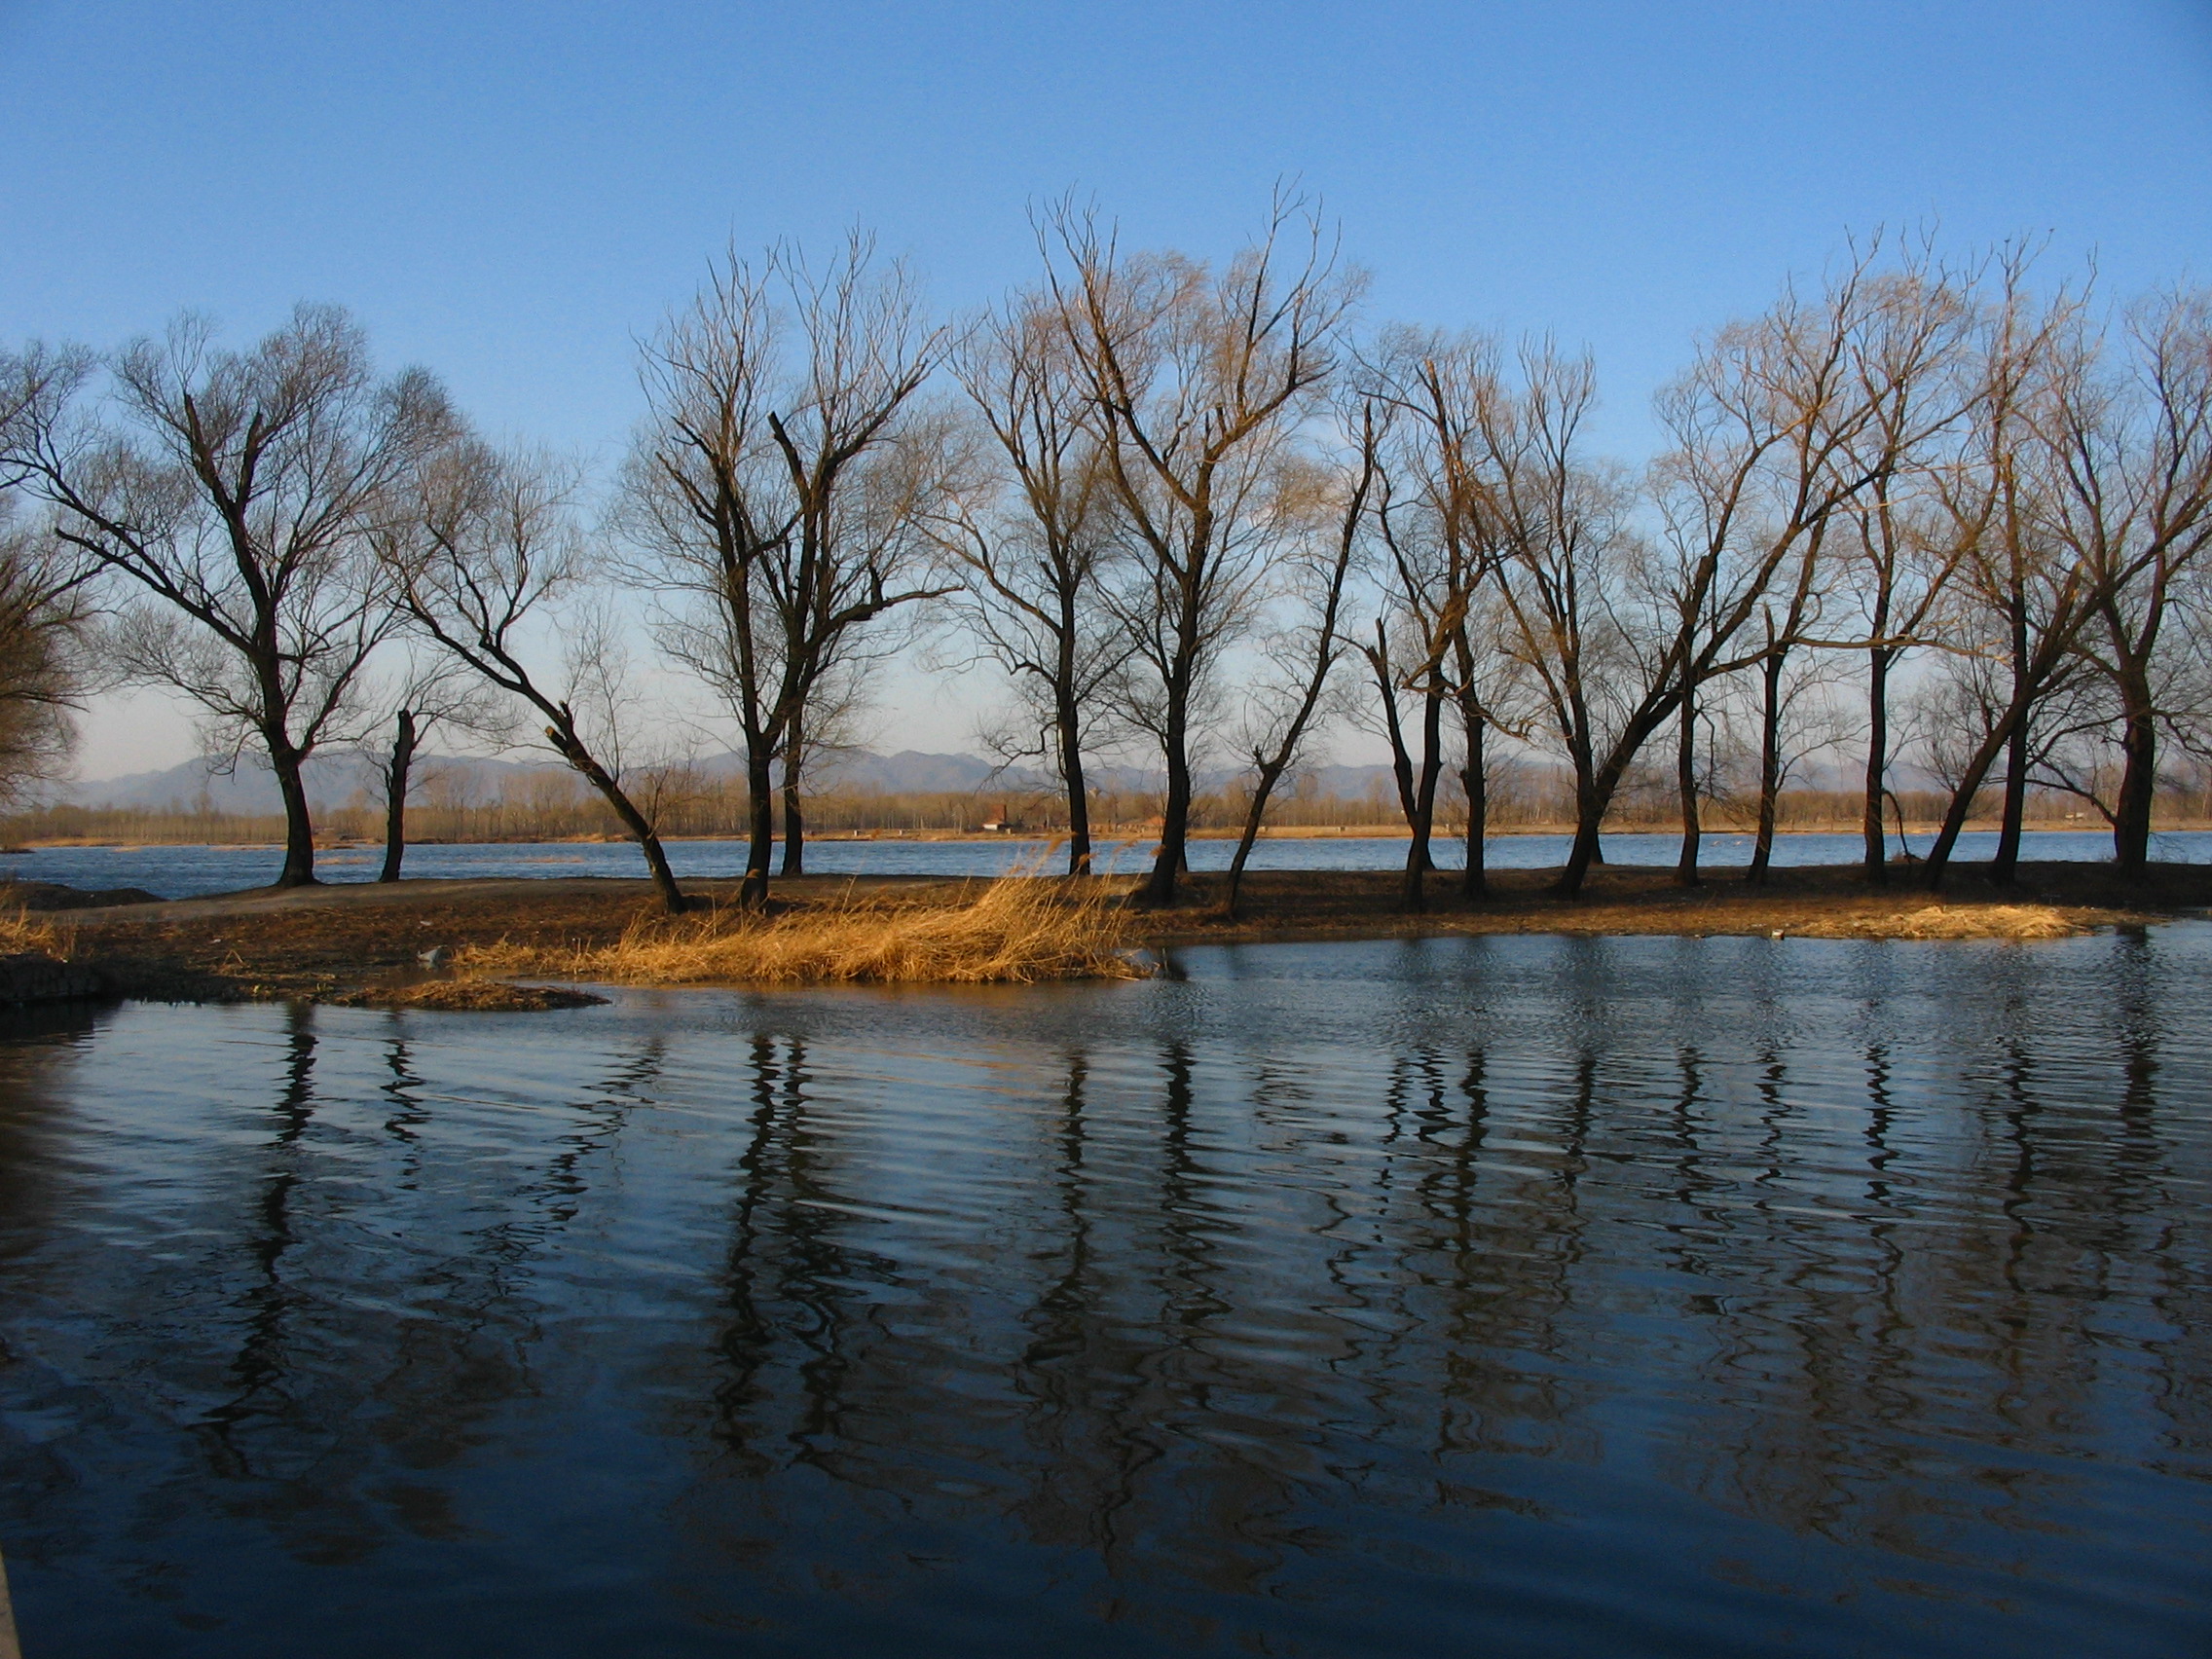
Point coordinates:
[(1508, 1296)]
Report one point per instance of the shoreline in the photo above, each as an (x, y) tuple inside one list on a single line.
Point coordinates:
[(1118, 836), (355, 941)]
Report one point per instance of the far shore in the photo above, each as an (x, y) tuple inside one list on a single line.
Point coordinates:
[(1914, 829), (361, 940)]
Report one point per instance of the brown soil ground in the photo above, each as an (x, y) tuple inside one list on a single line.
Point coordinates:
[(366, 942)]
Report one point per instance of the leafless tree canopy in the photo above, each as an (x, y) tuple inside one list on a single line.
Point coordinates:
[(1924, 512), (233, 495), (777, 494)]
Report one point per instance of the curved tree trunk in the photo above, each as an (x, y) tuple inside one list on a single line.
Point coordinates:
[(647, 838)]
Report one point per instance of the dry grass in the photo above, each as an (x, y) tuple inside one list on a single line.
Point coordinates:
[(22, 933), (1018, 930), (1976, 921)]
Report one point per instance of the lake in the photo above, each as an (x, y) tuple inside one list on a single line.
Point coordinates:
[(1512, 1296), (188, 871)]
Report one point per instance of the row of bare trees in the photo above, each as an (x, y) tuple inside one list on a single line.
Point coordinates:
[(1173, 506)]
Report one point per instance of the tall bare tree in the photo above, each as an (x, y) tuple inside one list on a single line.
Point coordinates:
[(433, 689), (1443, 531), (1031, 541), (237, 493), (1198, 381), (2131, 502), (1560, 583), (778, 491), (1895, 564), (1280, 710), (1762, 424), (2030, 595), (491, 551)]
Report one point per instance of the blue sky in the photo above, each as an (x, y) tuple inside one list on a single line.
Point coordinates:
[(511, 194)]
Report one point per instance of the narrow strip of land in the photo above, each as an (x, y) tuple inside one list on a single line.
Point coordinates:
[(331, 942)]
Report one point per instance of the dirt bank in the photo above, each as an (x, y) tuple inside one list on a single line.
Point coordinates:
[(347, 942)]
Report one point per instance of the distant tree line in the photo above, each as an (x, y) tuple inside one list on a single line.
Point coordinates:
[(1193, 512)]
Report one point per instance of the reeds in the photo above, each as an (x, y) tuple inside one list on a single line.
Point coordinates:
[(1018, 929), (22, 934)]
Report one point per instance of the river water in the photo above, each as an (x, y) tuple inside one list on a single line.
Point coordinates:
[(188, 871), (1505, 1295)]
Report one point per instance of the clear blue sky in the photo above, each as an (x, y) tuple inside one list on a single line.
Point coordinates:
[(509, 194)]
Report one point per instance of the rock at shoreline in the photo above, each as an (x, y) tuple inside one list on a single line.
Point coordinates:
[(33, 977)]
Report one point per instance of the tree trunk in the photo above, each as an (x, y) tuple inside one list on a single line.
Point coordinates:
[(1079, 793), (1685, 784), (795, 829), (1175, 812), (1590, 805), (2004, 868), (579, 756), (395, 796), (2139, 778), (1877, 764), (1417, 861), (760, 828), (1770, 765), (1962, 799), (299, 828), (1474, 879)]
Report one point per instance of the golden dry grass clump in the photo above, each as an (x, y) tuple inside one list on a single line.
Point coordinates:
[(1018, 929), (22, 934), (1981, 921)]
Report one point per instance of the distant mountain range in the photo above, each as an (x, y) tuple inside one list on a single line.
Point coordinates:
[(333, 780)]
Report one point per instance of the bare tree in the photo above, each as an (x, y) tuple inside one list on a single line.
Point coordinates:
[(2131, 503), (236, 493), (433, 690), (1030, 539), (1281, 712), (2030, 595), (1565, 546), (490, 549), (1762, 422), (1895, 565), (1198, 381), (1443, 531), (777, 494)]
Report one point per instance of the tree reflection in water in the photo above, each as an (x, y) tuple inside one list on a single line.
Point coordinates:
[(1591, 1296)]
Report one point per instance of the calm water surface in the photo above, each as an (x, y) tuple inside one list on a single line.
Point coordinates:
[(1505, 1295), (181, 873)]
